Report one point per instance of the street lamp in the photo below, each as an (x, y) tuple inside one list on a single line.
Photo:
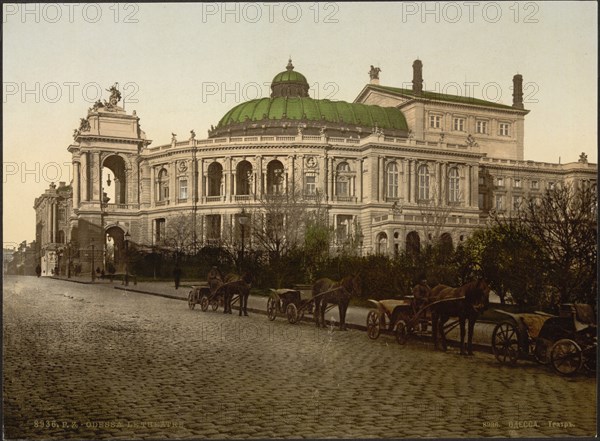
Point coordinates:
[(243, 219), (127, 236), (93, 274), (69, 257)]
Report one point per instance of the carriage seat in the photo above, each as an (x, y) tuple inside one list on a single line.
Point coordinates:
[(533, 323)]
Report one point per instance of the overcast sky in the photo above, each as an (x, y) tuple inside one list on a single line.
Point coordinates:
[(183, 66)]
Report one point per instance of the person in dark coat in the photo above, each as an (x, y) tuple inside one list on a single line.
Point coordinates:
[(38, 270), (177, 276)]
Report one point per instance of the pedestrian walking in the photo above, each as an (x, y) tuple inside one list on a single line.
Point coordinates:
[(177, 276), (38, 270)]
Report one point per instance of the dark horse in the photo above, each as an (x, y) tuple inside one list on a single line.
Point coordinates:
[(466, 303), (234, 284), (326, 291)]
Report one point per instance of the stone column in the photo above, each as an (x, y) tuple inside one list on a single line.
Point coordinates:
[(54, 221), (152, 185), (468, 186), (438, 179), (331, 179), (404, 181), (76, 178), (49, 223), (201, 181), (173, 193), (84, 177), (381, 176), (360, 180)]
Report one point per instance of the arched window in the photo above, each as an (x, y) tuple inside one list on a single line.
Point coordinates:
[(275, 177), (423, 182), (243, 178), (382, 243), (392, 180), (163, 185), (215, 176), (453, 185), (342, 180)]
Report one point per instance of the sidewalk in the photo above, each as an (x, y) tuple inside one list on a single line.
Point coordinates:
[(356, 316)]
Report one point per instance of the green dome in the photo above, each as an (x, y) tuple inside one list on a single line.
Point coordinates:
[(299, 108)]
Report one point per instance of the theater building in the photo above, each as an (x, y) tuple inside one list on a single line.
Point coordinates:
[(395, 168)]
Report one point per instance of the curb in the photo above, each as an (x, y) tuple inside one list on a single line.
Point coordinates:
[(451, 343)]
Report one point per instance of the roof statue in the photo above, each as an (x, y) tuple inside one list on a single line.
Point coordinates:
[(115, 97), (374, 72), (583, 158)]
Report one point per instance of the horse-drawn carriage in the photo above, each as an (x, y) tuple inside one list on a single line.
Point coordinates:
[(316, 299), (234, 289), (293, 303), (568, 342), (412, 316)]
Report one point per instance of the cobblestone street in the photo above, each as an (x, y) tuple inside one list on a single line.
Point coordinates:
[(93, 362)]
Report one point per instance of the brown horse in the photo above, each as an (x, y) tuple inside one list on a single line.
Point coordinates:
[(326, 291), (466, 303), (234, 284)]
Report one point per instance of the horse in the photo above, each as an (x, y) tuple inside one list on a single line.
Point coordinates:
[(466, 303), (326, 291), (234, 284)]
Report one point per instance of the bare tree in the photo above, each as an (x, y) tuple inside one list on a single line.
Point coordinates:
[(179, 234), (435, 210), (563, 225)]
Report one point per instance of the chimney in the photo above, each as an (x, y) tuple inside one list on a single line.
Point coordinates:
[(518, 91), (417, 81)]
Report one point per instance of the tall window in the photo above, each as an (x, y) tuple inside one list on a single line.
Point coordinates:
[(481, 127), (500, 182), (499, 202), (213, 227), (435, 121), (275, 177), (183, 189), (243, 178), (163, 185), (504, 129), (423, 182), (343, 227), (459, 124), (453, 185), (159, 229), (310, 184), (215, 176), (517, 183), (535, 185), (392, 180), (342, 181)]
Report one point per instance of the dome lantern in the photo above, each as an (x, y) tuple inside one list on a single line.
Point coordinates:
[(289, 83)]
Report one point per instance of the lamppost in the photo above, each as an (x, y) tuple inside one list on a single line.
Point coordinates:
[(93, 273), (69, 259), (127, 236), (243, 220)]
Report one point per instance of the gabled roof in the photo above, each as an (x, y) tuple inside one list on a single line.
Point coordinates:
[(408, 93)]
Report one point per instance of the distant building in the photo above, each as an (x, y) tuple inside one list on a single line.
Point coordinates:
[(396, 168)]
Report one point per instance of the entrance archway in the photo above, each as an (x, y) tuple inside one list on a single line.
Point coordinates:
[(115, 186), (413, 243), (115, 249)]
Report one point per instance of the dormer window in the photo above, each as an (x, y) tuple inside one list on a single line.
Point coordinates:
[(481, 127), (435, 121)]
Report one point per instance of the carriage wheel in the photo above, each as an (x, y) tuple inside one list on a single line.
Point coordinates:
[(505, 343), (566, 357), (373, 329), (272, 308), (214, 304), (292, 313), (204, 303), (191, 300), (401, 332)]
